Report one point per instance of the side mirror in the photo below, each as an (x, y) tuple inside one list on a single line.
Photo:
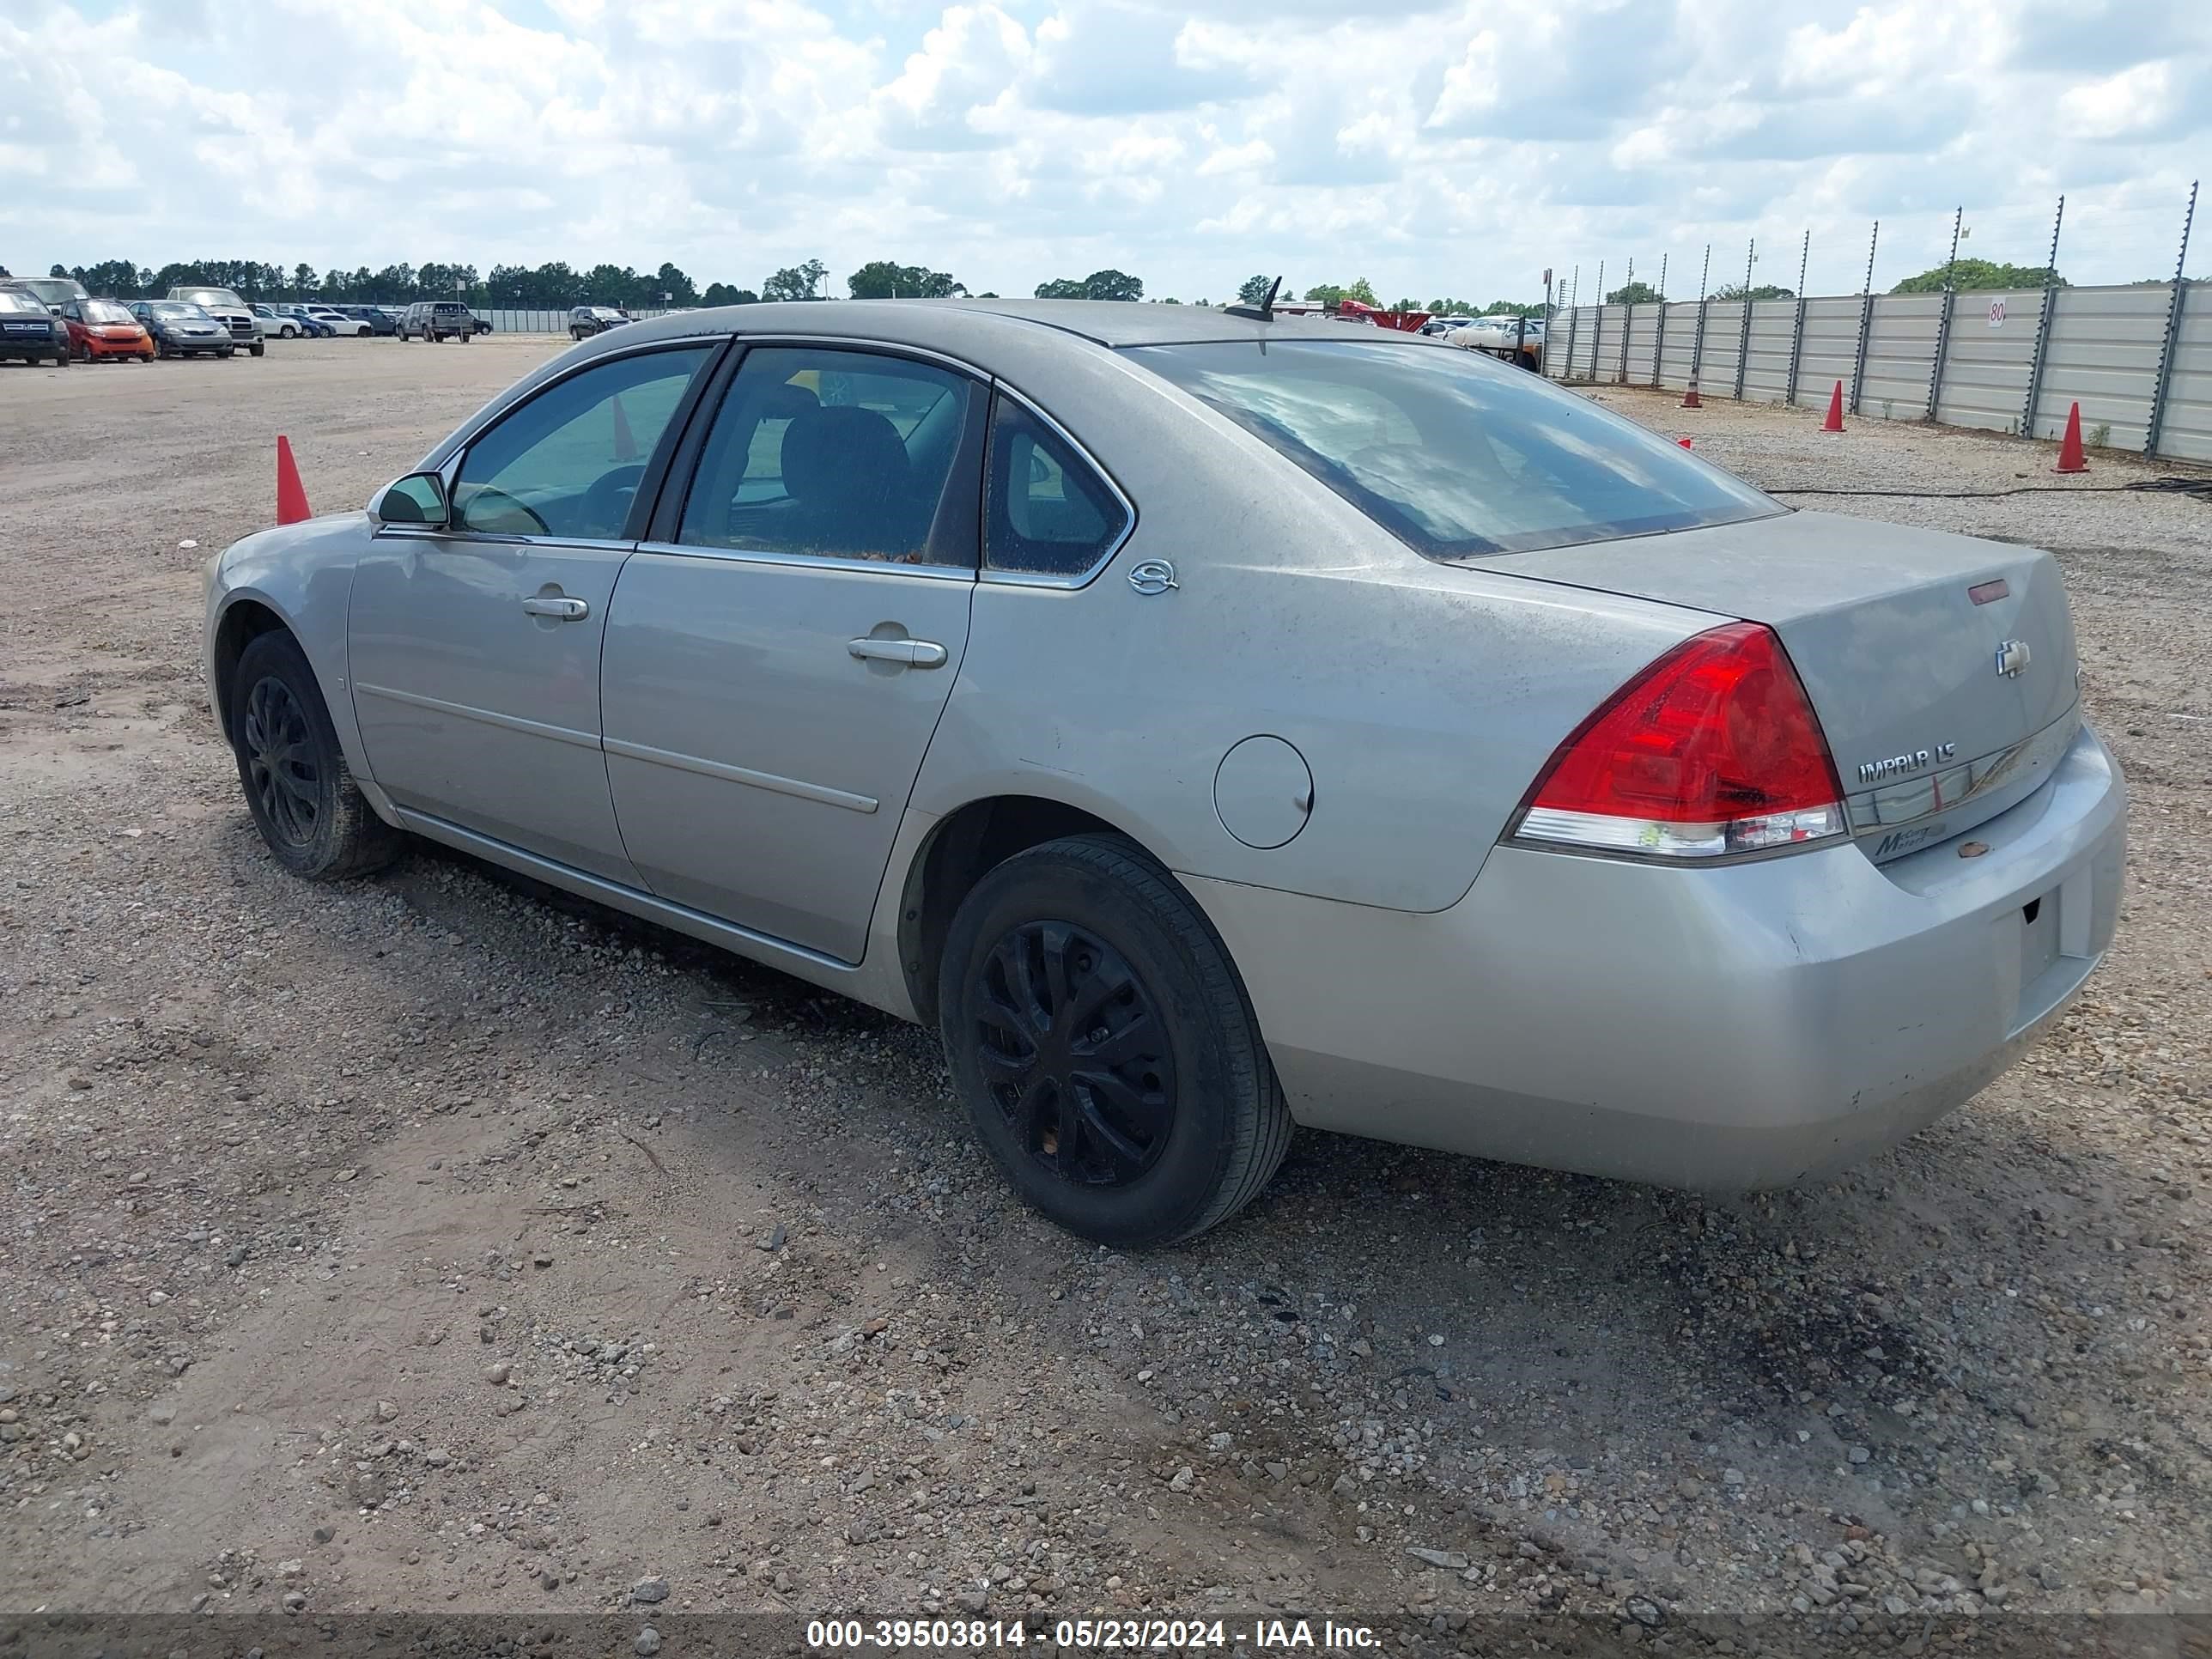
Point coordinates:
[(418, 499)]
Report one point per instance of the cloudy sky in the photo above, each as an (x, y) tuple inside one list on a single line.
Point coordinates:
[(1457, 148)]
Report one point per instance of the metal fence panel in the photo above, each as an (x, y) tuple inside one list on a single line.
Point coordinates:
[(1986, 366), (1681, 342), (1831, 349), (1766, 364), (1723, 328), (1900, 352), (1643, 346), (2104, 352), (1605, 342), (2185, 434)]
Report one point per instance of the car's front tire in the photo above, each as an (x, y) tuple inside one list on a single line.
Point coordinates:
[(256, 348), (1102, 1044), (298, 787)]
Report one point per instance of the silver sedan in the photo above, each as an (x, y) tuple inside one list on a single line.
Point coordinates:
[(1210, 724)]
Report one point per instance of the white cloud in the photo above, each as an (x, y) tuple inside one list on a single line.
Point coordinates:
[(1433, 148)]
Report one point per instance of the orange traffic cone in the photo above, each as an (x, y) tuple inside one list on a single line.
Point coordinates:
[(291, 497), (1835, 420), (625, 444), (1685, 442), (1690, 399), (2070, 451)]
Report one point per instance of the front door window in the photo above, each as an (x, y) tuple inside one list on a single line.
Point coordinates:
[(567, 463)]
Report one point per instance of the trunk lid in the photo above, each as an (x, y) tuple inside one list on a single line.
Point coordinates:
[(1945, 697)]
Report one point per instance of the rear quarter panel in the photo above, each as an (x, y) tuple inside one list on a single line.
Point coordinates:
[(1423, 699)]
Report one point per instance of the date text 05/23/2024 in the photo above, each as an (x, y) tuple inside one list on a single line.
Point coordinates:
[(1088, 1635)]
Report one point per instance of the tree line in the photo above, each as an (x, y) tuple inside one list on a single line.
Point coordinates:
[(557, 285), (553, 285), (1967, 276)]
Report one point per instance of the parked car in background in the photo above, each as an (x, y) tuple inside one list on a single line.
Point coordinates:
[(235, 315), (278, 324), (585, 321), (339, 322), (1604, 814), (309, 324), (438, 320), (28, 331), (1441, 325), (100, 329), (1503, 336), (374, 316), (182, 329), (52, 292)]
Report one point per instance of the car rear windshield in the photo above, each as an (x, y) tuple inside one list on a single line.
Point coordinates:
[(1459, 456)]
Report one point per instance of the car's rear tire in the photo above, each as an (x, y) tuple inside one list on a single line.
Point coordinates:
[(1160, 1116), (298, 787)]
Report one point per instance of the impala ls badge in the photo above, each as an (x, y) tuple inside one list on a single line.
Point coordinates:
[(1900, 766), (2012, 658)]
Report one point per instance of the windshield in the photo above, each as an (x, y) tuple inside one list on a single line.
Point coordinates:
[(1457, 455), (10, 300), (214, 296), (103, 311), (178, 308)]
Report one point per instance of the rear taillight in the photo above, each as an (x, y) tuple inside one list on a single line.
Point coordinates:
[(1712, 750)]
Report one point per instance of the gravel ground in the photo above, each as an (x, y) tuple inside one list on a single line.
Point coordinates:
[(431, 1243)]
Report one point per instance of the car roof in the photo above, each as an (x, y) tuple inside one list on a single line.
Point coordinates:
[(1106, 322)]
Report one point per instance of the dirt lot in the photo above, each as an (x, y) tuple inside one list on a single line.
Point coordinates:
[(428, 1243)]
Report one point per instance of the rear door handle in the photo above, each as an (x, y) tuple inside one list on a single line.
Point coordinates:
[(914, 653), (560, 607)]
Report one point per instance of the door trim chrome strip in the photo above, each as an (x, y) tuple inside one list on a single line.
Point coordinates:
[(819, 793), (942, 573), (487, 716)]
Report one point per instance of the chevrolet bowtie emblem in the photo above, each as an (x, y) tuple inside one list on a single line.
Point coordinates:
[(2012, 658)]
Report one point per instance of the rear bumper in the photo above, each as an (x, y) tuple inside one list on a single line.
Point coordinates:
[(1744, 1026)]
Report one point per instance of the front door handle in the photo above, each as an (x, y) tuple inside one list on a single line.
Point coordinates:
[(914, 653), (558, 606)]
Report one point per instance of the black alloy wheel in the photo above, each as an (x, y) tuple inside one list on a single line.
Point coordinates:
[(1075, 1055), (1104, 1047), (311, 814), (279, 757)]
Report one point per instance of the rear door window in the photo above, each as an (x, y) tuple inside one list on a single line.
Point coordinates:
[(1458, 456), (829, 453)]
